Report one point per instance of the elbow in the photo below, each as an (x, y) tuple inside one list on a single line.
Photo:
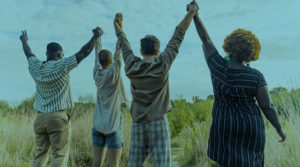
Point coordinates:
[(268, 109)]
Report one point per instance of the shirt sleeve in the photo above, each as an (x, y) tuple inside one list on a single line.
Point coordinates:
[(116, 67), (67, 64), (33, 65), (130, 60), (215, 62), (33, 61), (261, 80), (172, 49), (97, 67)]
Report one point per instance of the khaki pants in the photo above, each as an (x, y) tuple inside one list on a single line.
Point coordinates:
[(52, 130)]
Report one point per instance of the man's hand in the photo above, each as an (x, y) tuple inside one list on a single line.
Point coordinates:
[(192, 7), (98, 31), (24, 37), (118, 21)]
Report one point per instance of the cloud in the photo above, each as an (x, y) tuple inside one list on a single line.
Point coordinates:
[(70, 23)]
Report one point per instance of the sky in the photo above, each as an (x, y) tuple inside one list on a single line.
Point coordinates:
[(275, 22)]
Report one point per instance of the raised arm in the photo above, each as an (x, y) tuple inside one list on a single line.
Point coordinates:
[(98, 48), (174, 43), (208, 46), (117, 55), (264, 101), (26, 48), (122, 39), (88, 47)]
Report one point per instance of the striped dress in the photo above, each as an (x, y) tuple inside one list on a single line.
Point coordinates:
[(237, 133)]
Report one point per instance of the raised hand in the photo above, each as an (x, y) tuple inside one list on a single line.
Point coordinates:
[(118, 22), (192, 7), (119, 19), (24, 37), (98, 31)]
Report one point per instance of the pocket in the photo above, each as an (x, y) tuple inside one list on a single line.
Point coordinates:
[(69, 117)]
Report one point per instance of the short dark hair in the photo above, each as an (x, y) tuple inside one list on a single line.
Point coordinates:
[(149, 44), (105, 57), (53, 47), (243, 44)]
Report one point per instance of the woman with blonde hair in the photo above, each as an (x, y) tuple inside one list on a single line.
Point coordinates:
[(237, 133)]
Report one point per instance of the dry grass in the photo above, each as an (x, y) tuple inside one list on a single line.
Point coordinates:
[(17, 137)]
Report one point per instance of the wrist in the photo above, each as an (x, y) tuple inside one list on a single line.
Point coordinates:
[(96, 36), (192, 13), (118, 32)]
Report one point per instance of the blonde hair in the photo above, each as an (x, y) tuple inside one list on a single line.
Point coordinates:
[(243, 44)]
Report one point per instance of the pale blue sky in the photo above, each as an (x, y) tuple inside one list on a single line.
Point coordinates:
[(275, 22)]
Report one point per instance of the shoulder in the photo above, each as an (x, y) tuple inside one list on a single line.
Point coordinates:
[(254, 71)]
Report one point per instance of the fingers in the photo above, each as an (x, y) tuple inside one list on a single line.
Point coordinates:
[(119, 15)]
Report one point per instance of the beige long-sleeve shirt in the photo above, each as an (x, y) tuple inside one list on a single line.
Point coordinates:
[(150, 80), (110, 94)]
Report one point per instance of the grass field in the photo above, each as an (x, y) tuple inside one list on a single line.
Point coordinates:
[(189, 124)]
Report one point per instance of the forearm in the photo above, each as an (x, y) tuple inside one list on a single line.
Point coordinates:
[(124, 45), (201, 29), (272, 117), (86, 49), (185, 23), (98, 48), (27, 50)]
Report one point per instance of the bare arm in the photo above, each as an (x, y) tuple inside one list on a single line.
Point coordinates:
[(26, 47), (208, 45), (264, 101), (202, 32), (88, 47)]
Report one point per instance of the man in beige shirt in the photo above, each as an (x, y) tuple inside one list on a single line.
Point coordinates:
[(150, 93), (53, 97)]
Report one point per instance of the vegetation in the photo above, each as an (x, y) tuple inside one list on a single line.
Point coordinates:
[(189, 124)]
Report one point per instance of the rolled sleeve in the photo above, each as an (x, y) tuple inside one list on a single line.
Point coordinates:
[(33, 66), (216, 65), (69, 63), (261, 81), (32, 61)]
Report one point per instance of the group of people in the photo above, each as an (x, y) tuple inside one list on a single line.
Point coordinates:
[(237, 134)]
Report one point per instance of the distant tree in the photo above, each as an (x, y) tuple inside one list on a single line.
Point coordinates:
[(4, 107), (26, 106), (278, 90), (210, 97), (89, 98)]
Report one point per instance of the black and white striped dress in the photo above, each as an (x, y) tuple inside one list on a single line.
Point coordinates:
[(237, 133)]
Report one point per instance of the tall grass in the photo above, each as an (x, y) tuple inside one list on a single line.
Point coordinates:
[(17, 138), (277, 154), (189, 124)]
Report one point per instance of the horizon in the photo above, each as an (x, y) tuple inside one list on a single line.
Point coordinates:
[(70, 23)]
